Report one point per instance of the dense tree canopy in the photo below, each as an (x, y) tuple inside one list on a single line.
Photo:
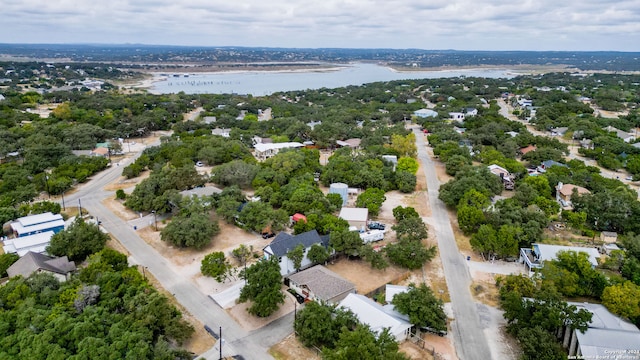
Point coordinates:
[(78, 241), (263, 287)]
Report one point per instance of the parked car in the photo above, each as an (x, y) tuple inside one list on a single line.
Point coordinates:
[(299, 297), (268, 235), (374, 225)]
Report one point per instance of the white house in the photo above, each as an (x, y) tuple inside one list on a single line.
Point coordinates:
[(36, 243), (283, 243), (373, 314), (425, 113), (35, 224), (535, 257), (264, 151), (456, 116), (221, 132)]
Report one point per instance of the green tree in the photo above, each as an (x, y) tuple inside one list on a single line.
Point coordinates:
[(216, 266), (7, 260), (407, 164), (422, 307), (410, 254), (411, 229), (405, 146), (195, 230), (372, 199), (320, 324), (345, 241), (623, 299), (406, 181), (242, 253), (262, 287), (78, 241), (470, 218), (318, 254), (485, 241), (296, 255), (400, 213), (373, 257), (362, 343)]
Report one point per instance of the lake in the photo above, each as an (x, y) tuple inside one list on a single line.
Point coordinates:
[(260, 83)]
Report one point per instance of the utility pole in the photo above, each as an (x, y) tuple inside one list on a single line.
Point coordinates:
[(80, 208), (220, 342)]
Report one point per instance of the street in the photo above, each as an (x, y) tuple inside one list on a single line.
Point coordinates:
[(237, 341), (469, 339)]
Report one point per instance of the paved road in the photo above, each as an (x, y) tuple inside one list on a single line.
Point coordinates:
[(469, 338), (237, 341)]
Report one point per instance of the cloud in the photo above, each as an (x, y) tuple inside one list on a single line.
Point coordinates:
[(434, 24)]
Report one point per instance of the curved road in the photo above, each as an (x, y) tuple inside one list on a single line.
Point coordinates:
[(469, 339), (237, 341)]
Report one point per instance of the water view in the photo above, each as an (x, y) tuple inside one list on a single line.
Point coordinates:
[(261, 83)]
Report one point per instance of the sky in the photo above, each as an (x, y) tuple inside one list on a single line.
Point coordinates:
[(572, 25)]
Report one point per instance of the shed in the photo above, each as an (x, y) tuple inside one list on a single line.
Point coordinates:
[(297, 217), (392, 290), (355, 216), (608, 237)]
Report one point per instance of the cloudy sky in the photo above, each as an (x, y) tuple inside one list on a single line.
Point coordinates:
[(422, 24)]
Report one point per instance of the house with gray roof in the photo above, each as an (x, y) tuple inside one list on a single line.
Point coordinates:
[(283, 243), (34, 263), (321, 284), (606, 336)]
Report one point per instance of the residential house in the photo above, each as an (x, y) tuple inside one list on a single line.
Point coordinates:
[(425, 113), (608, 237), (373, 314), (527, 149), (459, 130), (321, 284), (470, 112), (587, 144), (606, 336), (636, 145), (264, 115), (512, 133), (264, 151), (32, 243), (507, 179), (523, 103), (100, 151), (34, 224), (625, 136), (456, 116), (535, 257), (352, 143), (559, 131), (356, 217), (33, 263), (608, 248), (313, 124), (225, 133), (209, 119), (564, 192), (393, 159), (545, 165), (283, 243)]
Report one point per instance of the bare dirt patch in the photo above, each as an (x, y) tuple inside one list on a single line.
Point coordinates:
[(291, 348), (251, 322), (124, 183), (484, 290), (365, 278)]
